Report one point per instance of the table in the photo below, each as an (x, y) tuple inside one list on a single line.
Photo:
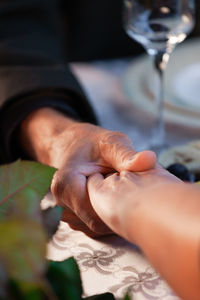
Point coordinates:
[(111, 264), (103, 82)]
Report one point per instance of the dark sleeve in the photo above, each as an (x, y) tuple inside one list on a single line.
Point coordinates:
[(33, 68)]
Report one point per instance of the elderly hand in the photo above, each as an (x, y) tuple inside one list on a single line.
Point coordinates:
[(79, 150)]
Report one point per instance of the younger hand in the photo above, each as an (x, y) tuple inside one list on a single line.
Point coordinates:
[(115, 197)]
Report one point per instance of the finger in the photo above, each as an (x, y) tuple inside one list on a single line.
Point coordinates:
[(115, 148), (89, 232), (75, 223), (94, 182), (71, 218), (70, 192), (118, 152), (101, 197), (97, 185), (80, 204), (87, 214)]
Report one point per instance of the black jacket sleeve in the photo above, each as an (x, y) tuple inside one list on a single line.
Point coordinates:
[(33, 69)]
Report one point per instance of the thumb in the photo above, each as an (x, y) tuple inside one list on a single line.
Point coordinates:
[(118, 153), (141, 161)]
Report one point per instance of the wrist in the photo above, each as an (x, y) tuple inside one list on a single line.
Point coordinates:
[(39, 132)]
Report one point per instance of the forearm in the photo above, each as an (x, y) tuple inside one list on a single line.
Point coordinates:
[(34, 71), (167, 228)]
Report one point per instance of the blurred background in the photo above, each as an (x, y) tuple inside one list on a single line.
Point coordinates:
[(94, 30)]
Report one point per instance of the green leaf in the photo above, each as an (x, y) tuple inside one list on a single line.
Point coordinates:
[(23, 184), (64, 277), (105, 296), (23, 249)]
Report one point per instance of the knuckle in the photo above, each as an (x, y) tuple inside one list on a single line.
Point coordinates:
[(126, 152), (120, 141), (114, 136)]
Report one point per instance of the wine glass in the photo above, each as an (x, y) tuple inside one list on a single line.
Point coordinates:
[(159, 25)]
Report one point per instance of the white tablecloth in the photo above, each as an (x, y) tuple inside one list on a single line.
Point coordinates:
[(109, 264)]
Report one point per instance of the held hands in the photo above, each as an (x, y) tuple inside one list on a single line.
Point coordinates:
[(118, 197), (91, 150), (79, 150)]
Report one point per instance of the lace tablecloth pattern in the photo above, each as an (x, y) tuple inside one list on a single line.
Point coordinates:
[(109, 264)]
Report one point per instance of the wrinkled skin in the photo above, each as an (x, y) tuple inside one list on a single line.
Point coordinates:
[(79, 150), (97, 150)]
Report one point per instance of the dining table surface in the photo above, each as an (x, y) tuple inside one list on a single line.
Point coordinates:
[(112, 264)]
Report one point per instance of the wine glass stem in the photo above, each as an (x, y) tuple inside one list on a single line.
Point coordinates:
[(158, 134)]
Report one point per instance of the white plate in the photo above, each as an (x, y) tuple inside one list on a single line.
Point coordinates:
[(182, 84)]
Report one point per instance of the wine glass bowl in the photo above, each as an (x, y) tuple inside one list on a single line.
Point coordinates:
[(159, 26)]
